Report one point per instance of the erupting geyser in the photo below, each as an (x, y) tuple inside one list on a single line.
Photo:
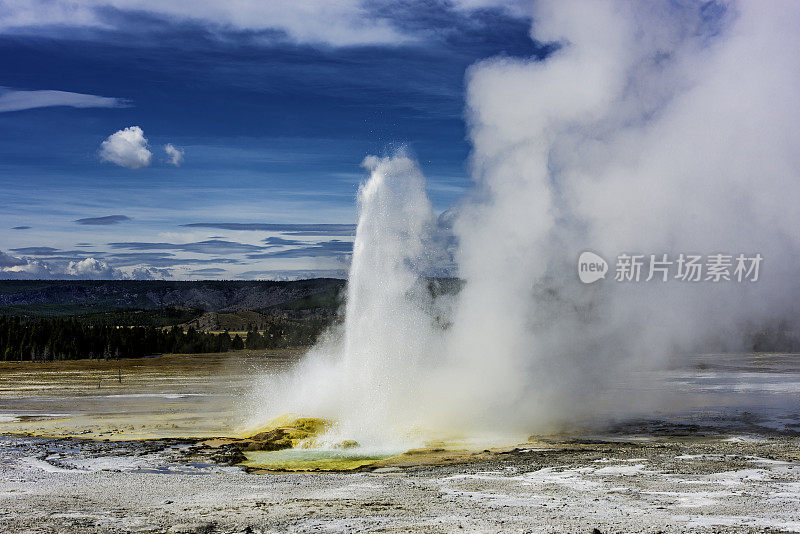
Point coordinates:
[(652, 128), (367, 377), (388, 327)]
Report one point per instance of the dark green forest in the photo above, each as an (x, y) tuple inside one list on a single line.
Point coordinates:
[(71, 339), (47, 320)]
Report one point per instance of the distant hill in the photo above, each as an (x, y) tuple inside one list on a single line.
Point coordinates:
[(47, 298), (71, 319)]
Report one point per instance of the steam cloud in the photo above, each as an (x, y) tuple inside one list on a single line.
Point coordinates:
[(658, 127)]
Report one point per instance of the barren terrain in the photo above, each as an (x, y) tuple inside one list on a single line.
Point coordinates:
[(731, 464)]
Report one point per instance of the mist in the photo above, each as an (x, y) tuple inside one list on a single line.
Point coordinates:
[(654, 128)]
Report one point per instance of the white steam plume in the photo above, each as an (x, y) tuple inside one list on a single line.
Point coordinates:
[(655, 128)]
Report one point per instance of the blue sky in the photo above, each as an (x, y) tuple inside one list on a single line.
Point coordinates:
[(271, 106)]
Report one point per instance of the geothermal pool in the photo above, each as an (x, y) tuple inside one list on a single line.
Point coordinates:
[(209, 396)]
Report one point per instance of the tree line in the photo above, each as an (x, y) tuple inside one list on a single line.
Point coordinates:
[(70, 339)]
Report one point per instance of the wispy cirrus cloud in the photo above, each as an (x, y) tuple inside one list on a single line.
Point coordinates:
[(322, 249), (208, 270), (164, 259), (154, 259), (289, 229), (210, 246), (343, 23), (292, 274), (281, 242), (37, 251), (103, 221), (19, 100)]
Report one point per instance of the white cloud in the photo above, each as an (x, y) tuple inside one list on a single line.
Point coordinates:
[(16, 100), (27, 270), (148, 273), (127, 148), (7, 260), (174, 154), (340, 23), (91, 268)]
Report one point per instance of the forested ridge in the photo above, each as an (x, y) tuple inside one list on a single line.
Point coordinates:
[(72, 297), (70, 339), (46, 320)]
